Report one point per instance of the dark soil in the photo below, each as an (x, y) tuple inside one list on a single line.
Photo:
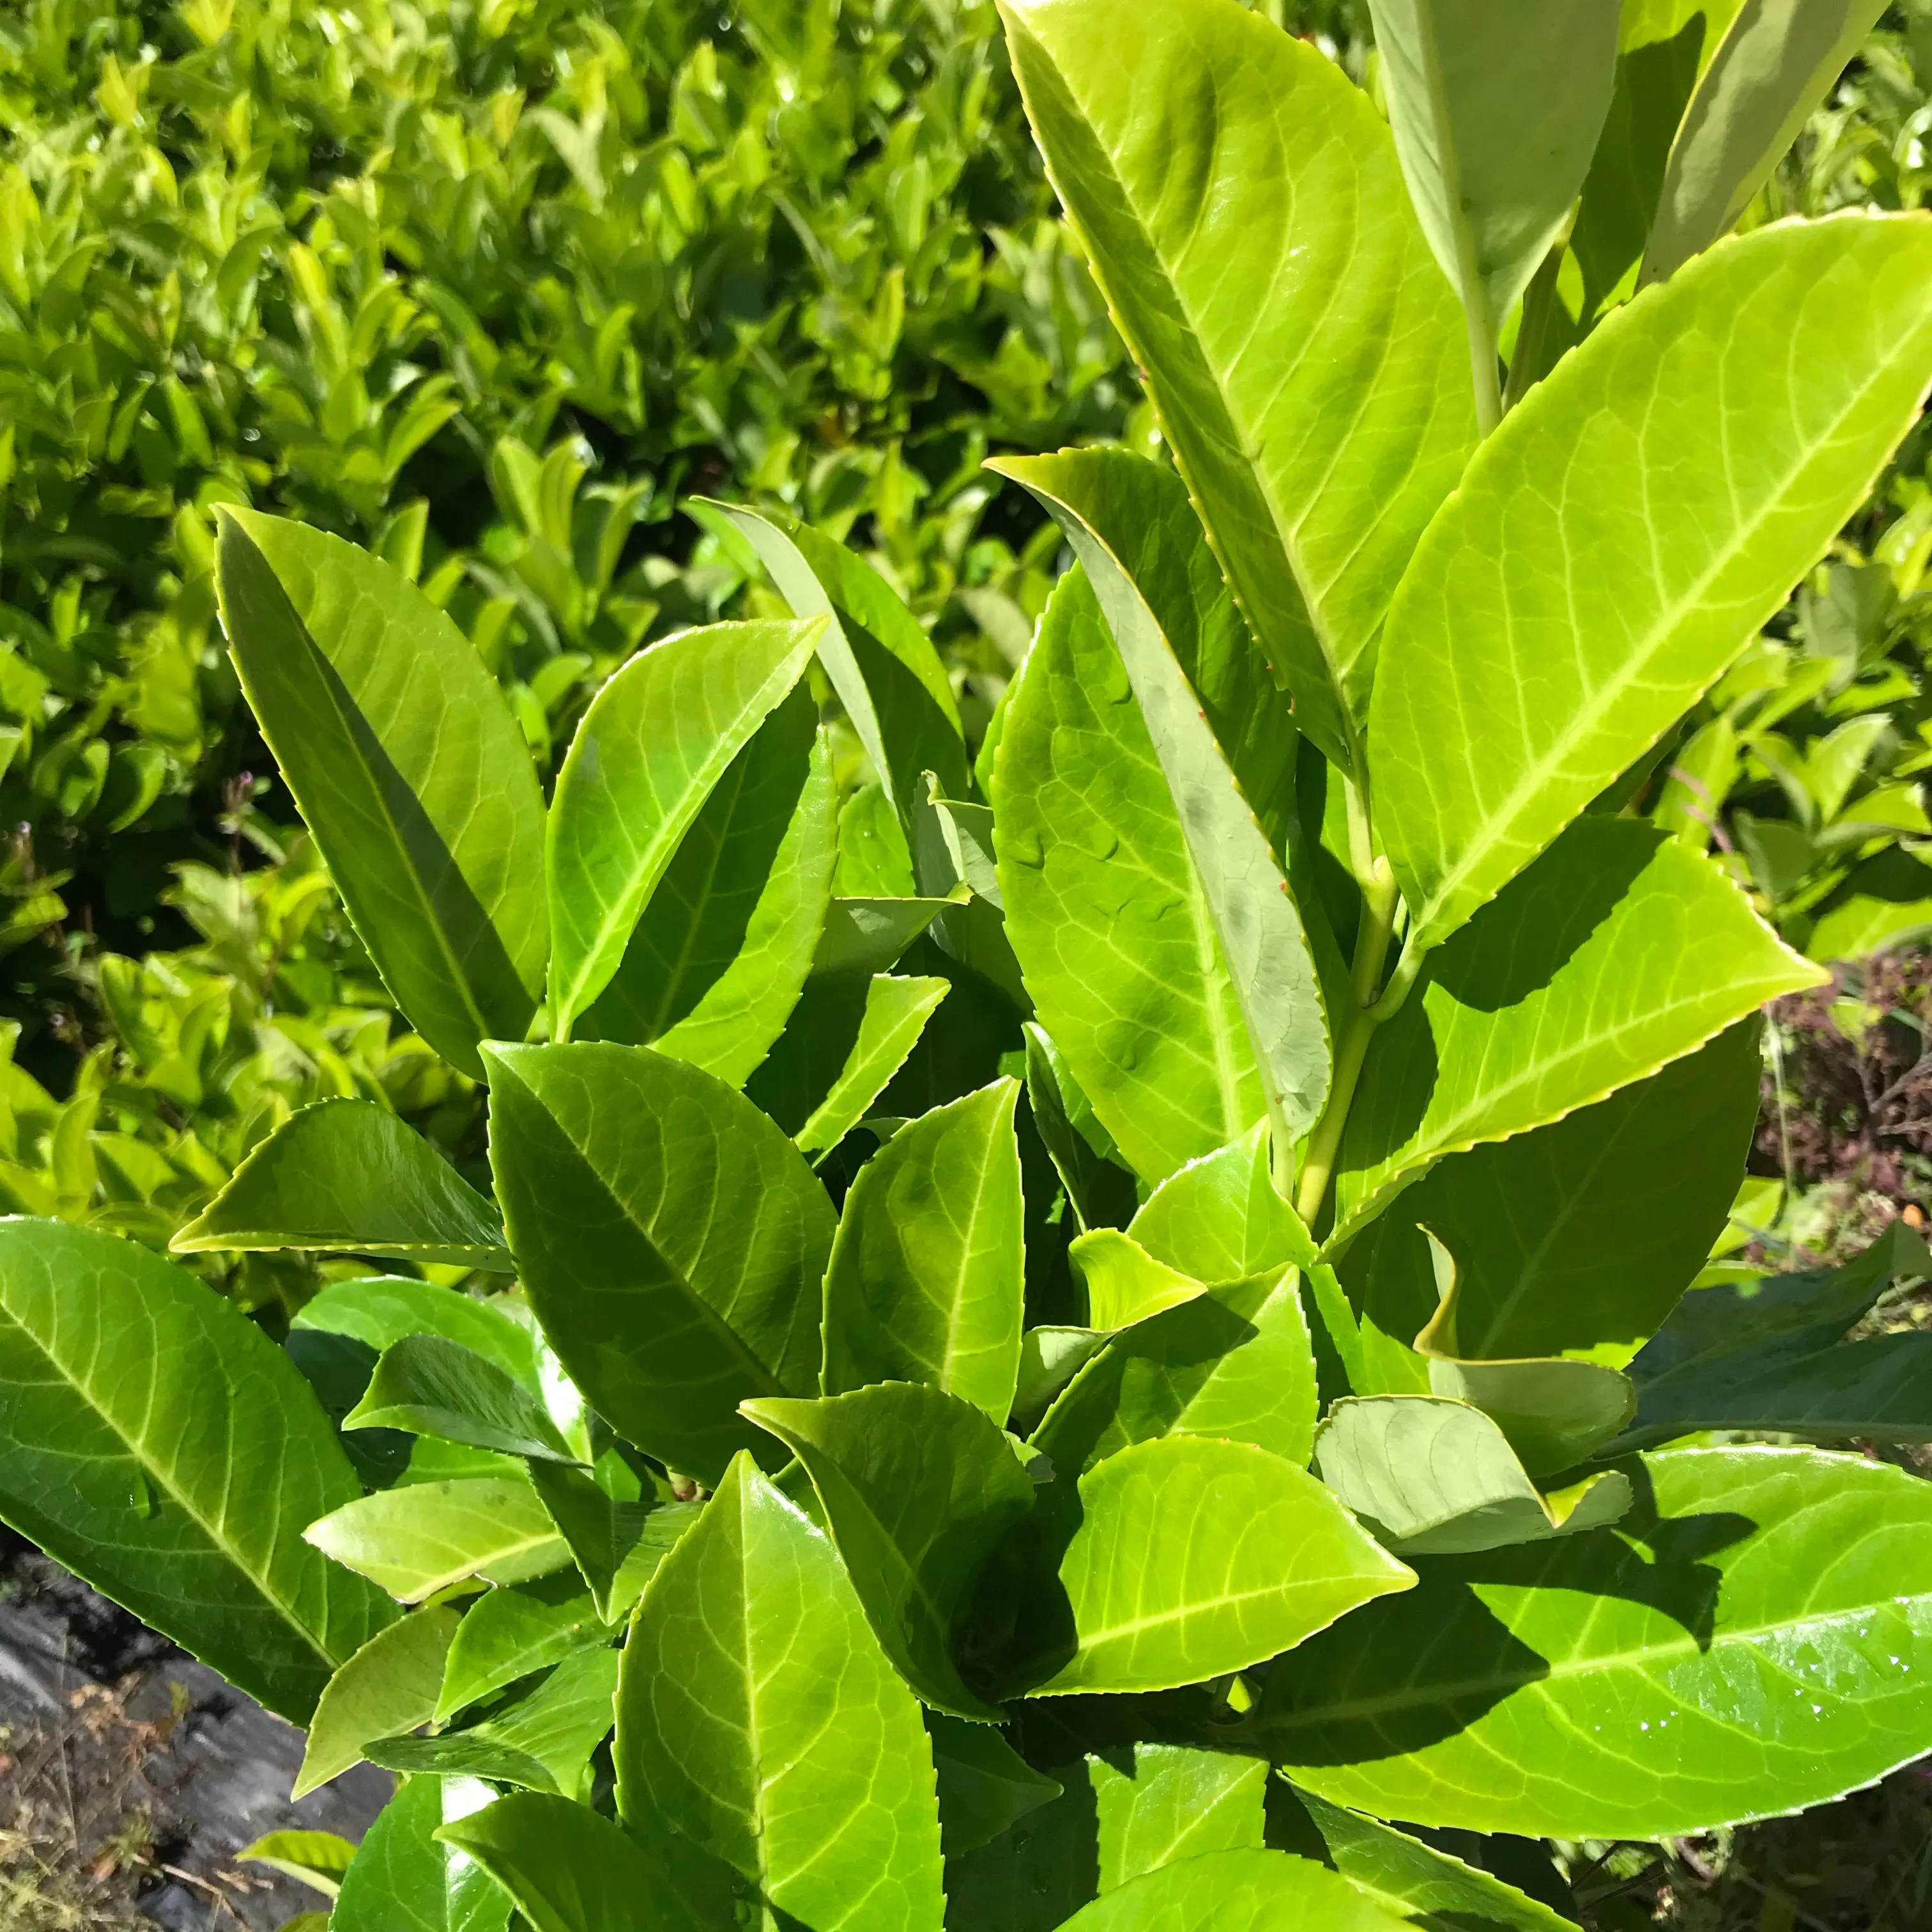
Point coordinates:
[(131, 1775)]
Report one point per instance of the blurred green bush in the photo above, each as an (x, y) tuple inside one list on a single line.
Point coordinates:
[(487, 285)]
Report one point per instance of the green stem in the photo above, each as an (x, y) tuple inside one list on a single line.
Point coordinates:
[(1483, 367), (1380, 902)]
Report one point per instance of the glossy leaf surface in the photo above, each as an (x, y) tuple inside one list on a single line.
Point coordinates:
[(154, 1441), (428, 1385), (1618, 951), (380, 1310), (1235, 1361), (919, 1489), (985, 1785), (1774, 65), (926, 1280), (556, 1725), (1167, 1802), (347, 1175), (1220, 1218), (404, 1881), (1762, 1611), (390, 1684), (511, 1631), (1316, 397), (720, 951), (849, 1035), (1129, 524), (1768, 1355), (1698, 451), (1495, 110), (1434, 1476), (1104, 908), (408, 767), (1124, 1283), (654, 745), (415, 1541), (757, 1716), (1152, 1602), (880, 662), (1236, 1891), (566, 1869), (617, 1546), (1581, 1235), (1411, 1879), (672, 1240)]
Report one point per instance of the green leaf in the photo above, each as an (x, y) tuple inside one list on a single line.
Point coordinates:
[(347, 1175), (880, 662), (1495, 110), (617, 1546), (1433, 1477), (720, 954), (1554, 1412), (874, 859), (1617, 952), (1165, 1803), (390, 1684), (926, 1282), (671, 1240), (1104, 907), (154, 1441), (464, 1755), (1098, 1188), (1579, 1235), (1130, 525), (1411, 1880), (1152, 1602), (653, 746), (867, 935), (1039, 1871), (985, 1785), (567, 1870), (1124, 1282), (1235, 1891), (426, 1385), (408, 768), (1790, 361), (512, 1631), (757, 1716), (402, 1880), (558, 1726), (1767, 1355), (1752, 1638), (1235, 1362), (1765, 77), (1220, 1219), (381, 1309), (919, 1489), (1263, 263), (418, 1541), (965, 831), (1049, 1359), (316, 1858), (848, 1036), (1663, 48)]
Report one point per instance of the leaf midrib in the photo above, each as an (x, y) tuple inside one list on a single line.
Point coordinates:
[(734, 1343), (459, 978), (138, 1454), (1669, 1652), (1290, 547)]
